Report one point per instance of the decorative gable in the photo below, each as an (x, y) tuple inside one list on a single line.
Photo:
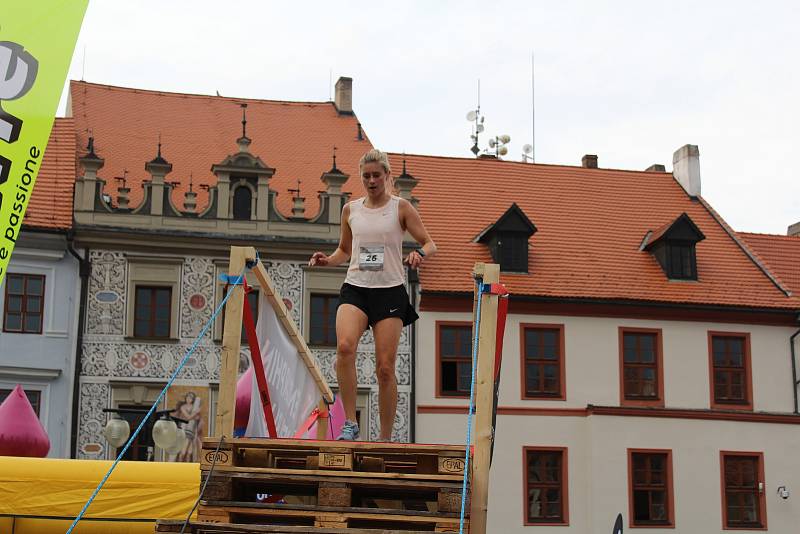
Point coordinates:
[(507, 240), (673, 246)]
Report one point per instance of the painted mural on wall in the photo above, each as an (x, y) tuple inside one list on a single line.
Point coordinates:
[(108, 356), (190, 403)]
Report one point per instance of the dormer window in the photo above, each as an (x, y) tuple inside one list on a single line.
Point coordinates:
[(507, 240), (242, 203), (673, 246)]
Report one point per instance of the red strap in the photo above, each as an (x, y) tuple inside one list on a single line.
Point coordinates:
[(313, 418), (258, 365), (497, 289), (502, 312)]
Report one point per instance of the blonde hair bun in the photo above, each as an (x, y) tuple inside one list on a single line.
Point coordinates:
[(375, 156)]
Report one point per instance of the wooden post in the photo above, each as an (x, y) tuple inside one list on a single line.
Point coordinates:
[(484, 400), (231, 343), (322, 420)]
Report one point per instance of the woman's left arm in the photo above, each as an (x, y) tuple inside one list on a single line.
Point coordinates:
[(412, 222)]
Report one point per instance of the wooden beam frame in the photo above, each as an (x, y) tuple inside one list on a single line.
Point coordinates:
[(231, 341), (488, 273)]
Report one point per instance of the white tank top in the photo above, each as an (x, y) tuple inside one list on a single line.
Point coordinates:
[(376, 258)]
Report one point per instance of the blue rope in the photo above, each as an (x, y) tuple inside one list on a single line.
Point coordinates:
[(152, 408), (471, 402)]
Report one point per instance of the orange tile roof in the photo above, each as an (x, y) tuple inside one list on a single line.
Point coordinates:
[(197, 131), (781, 253), (50, 205), (590, 223)]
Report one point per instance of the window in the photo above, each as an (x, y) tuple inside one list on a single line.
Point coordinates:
[(142, 447), (543, 362), (513, 252), (641, 371), (546, 486), (454, 358), (34, 397), (242, 203), (650, 488), (744, 504), (323, 320), (152, 312), (731, 385), (24, 303), (681, 261)]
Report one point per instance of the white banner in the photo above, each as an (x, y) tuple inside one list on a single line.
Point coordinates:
[(292, 389)]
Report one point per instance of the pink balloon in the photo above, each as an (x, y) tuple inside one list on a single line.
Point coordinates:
[(337, 417), (21, 432), (244, 388)]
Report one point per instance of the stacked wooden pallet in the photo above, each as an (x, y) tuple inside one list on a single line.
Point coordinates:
[(327, 487)]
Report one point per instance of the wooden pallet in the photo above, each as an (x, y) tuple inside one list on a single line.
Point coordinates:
[(232, 528), (409, 461), (334, 489), (326, 516)]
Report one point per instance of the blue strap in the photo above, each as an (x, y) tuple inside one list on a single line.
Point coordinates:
[(233, 280)]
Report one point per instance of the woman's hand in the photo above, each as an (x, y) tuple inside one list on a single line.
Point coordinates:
[(414, 259), (318, 259)]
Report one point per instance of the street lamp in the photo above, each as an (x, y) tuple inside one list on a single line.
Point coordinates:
[(164, 430)]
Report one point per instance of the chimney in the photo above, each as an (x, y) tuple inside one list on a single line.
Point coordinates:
[(122, 197), (656, 167), (344, 96), (794, 230), (298, 207), (589, 161), (190, 201), (686, 168)]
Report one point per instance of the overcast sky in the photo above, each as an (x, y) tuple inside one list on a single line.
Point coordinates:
[(630, 81)]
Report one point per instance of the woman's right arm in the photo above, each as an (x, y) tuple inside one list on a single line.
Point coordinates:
[(342, 252)]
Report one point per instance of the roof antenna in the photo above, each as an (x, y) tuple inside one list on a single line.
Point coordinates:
[(475, 116), (83, 67), (330, 87), (529, 151)]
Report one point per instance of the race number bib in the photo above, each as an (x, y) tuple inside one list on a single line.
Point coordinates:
[(370, 258)]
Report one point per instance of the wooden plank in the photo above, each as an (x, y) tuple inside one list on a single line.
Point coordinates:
[(355, 474), (227, 528), (338, 478), (231, 341), (484, 395), (357, 446), (325, 513), (274, 299), (322, 420)]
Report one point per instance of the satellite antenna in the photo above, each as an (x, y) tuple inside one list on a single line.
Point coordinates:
[(527, 150)]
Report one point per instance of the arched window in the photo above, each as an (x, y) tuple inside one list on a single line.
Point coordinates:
[(242, 202)]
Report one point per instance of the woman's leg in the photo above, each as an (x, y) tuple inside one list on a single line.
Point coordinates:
[(387, 336), (350, 325)]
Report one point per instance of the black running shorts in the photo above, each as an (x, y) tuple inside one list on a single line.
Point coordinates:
[(379, 303)]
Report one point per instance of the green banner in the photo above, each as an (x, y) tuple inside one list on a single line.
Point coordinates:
[(37, 39)]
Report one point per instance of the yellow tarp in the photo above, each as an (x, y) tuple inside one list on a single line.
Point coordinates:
[(49, 488)]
